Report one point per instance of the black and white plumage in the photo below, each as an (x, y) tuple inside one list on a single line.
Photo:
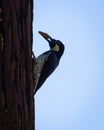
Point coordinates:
[(48, 61)]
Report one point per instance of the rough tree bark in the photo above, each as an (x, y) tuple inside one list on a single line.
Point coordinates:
[(16, 78)]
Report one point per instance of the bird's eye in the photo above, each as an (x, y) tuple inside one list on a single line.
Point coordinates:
[(53, 43), (58, 42)]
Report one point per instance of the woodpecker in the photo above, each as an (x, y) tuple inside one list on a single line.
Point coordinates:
[(48, 61)]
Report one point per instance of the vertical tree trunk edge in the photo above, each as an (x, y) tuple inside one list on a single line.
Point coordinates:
[(16, 74)]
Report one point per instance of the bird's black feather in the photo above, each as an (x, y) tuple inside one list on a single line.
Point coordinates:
[(50, 64)]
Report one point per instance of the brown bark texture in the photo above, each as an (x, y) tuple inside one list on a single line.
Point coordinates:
[(16, 78)]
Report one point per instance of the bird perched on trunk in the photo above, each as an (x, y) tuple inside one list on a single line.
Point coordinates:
[(48, 61)]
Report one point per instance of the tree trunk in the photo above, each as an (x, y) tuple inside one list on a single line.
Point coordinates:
[(16, 78)]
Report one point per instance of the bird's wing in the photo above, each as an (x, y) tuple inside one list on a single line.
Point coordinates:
[(46, 69)]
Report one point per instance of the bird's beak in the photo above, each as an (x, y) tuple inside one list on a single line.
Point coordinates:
[(45, 36)]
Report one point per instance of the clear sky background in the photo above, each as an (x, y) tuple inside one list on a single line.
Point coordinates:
[(72, 98)]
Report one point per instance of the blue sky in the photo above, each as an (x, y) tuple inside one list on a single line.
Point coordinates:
[(72, 98)]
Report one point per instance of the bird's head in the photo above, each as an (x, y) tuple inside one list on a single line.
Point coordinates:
[(55, 45)]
